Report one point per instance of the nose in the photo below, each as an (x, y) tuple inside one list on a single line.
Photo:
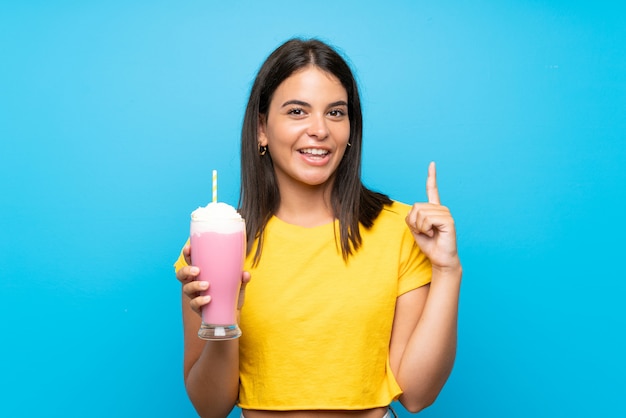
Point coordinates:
[(318, 127)]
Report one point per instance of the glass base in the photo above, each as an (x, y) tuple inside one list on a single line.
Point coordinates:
[(213, 332)]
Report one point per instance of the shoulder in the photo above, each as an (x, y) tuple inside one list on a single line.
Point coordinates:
[(394, 212), (391, 220)]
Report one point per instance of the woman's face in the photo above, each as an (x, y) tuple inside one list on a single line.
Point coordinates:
[(306, 128)]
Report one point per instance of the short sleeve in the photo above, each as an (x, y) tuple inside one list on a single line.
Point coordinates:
[(415, 268), (180, 262)]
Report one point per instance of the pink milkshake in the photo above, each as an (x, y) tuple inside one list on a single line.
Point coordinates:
[(218, 248)]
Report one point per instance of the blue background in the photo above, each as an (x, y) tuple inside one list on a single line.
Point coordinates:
[(113, 114)]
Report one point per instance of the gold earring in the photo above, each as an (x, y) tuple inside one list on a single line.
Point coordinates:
[(262, 149), (349, 144)]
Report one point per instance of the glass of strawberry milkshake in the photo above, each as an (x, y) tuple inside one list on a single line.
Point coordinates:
[(218, 248)]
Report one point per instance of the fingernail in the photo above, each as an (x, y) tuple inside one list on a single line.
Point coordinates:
[(194, 270), (204, 285)]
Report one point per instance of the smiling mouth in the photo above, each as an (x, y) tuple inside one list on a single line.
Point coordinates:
[(314, 152)]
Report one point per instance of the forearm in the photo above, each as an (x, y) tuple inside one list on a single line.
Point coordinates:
[(428, 358), (213, 381), (211, 368)]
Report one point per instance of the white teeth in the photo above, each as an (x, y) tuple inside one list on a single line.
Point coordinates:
[(314, 151)]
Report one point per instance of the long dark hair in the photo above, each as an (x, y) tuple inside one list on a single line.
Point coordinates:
[(351, 201)]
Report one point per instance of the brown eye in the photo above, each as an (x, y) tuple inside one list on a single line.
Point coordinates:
[(337, 113)]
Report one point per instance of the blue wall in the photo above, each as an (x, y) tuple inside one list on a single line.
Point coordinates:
[(113, 114)]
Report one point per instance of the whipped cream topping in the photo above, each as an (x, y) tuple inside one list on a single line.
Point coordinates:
[(216, 217), (215, 211)]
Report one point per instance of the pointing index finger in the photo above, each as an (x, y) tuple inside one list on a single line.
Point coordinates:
[(431, 185)]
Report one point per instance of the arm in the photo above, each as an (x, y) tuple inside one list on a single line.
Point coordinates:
[(423, 341), (211, 368), (424, 334)]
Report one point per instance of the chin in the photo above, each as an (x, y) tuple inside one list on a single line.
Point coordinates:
[(315, 181)]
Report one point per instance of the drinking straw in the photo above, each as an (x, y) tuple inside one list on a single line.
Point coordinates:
[(214, 186)]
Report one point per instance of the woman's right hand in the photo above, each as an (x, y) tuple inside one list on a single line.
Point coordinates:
[(192, 287), (188, 277)]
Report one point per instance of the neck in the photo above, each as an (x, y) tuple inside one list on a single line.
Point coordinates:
[(307, 207)]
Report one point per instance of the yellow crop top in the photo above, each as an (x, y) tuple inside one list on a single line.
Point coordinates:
[(316, 329)]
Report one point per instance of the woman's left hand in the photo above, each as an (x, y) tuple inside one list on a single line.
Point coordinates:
[(433, 227)]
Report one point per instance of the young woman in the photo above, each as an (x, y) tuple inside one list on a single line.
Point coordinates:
[(353, 301)]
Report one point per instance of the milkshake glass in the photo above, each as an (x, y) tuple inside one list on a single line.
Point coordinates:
[(218, 248)]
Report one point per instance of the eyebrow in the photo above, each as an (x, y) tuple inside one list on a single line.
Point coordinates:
[(305, 104)]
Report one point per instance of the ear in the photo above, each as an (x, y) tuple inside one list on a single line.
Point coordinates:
[(261, 135)]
